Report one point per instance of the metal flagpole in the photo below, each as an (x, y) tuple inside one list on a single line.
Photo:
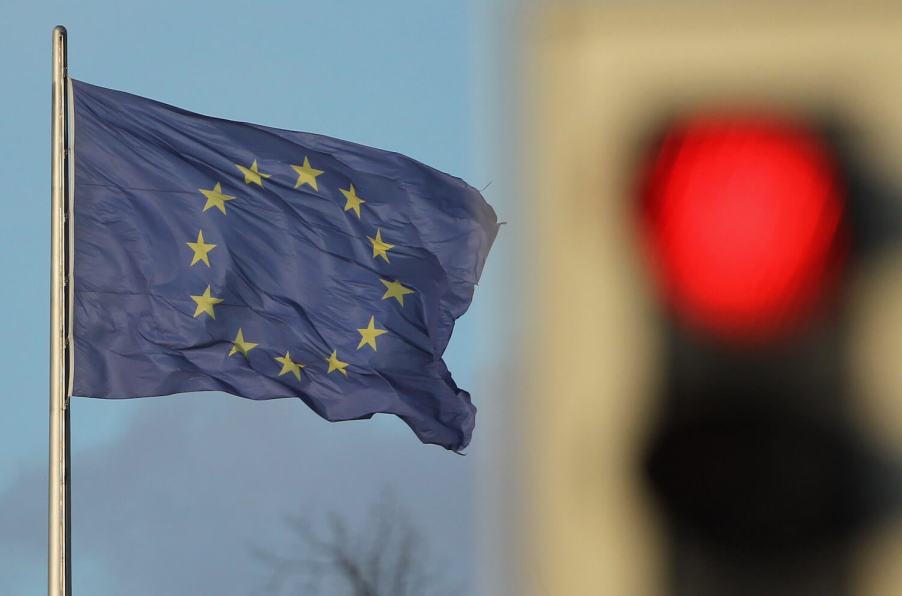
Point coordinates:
[(59, 581)]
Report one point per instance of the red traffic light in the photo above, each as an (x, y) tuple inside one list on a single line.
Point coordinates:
[(742, 216)]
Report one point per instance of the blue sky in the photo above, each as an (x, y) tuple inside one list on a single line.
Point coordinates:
[(170, 494)]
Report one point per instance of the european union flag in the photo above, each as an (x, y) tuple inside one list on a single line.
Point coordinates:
[(220, 255)]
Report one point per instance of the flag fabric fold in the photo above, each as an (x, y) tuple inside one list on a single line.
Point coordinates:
[(266, 263)]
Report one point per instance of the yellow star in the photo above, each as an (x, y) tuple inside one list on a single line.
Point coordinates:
[(289, 366), (394, 289), (306, 174), (380, 248), (239, 345), (205, 303), (353, 201), (336, 364), (252, 175), (201, 249), (215, 197), (369, 334)]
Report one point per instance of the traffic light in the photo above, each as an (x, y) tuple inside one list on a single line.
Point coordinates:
[(755, 457), (716, 210)]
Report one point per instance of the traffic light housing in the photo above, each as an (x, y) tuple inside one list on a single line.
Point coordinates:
[(716, 414)]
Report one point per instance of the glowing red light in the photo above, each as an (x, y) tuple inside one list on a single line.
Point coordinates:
[(742, 215)]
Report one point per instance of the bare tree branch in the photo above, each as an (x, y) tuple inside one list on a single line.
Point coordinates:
[(387, 557)]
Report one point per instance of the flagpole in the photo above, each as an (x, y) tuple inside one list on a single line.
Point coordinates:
[(59, 568)]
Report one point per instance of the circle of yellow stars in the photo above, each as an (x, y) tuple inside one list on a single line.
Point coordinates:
[(307, 175)]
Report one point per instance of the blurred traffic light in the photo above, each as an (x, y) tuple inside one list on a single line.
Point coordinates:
[(712, 189), (753, 454)]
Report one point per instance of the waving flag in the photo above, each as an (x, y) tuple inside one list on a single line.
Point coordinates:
[(220, 255)]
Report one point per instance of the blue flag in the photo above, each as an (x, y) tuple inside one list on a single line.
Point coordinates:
[(220, 255)]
